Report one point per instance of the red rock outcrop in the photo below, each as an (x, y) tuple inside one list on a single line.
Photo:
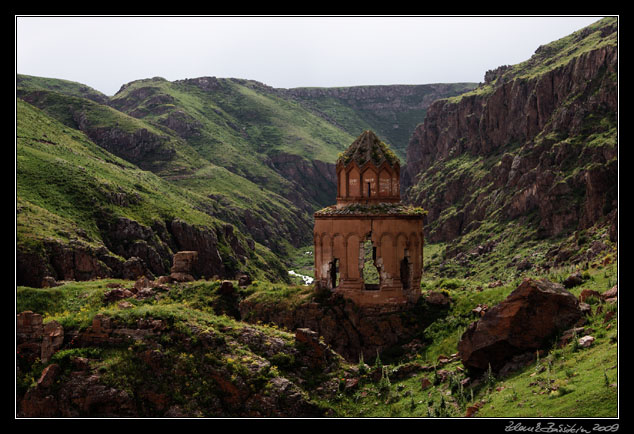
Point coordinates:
[(78, 389), (82, 395), (147, 252), (391, 109)]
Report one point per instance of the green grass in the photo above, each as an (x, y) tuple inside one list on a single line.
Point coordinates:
[(566, 382), (63, 86), (187, 371), (573, 382), (63, 173), (217, 173), (241, 124)]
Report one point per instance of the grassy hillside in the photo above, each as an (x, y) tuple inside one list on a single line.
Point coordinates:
[(66, 184), (165, 155), (225, 153), (253, 208), (264, 160), (62, 86), (236, 124)]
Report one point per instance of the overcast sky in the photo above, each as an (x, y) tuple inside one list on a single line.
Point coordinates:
[(283, 52)]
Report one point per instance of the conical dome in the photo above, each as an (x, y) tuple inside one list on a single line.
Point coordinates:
[(368, 148), (368, 172)]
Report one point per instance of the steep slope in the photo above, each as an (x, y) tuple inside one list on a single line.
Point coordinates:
[(536, 144), (84, 213), (392, 111)]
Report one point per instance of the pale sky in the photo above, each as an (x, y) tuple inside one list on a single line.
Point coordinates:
[(284, 52)]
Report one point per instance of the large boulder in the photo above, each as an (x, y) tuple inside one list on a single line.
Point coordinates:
[(526, 321)]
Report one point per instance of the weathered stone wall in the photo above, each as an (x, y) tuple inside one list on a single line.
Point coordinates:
[(394, 237)]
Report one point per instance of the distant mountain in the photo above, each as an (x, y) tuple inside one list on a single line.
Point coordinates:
[(535, 144), (392, 111)]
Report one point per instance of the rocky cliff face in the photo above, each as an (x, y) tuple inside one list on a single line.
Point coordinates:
[(313, 180), (382, 97), (140, 147), (537, 142)]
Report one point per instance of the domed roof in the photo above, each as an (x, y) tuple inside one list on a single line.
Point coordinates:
[(368, 148)]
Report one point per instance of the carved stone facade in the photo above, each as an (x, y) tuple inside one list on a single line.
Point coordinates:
[(368, 246), (368, 183)]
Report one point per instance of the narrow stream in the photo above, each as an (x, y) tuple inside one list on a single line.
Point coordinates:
[(307, 279)]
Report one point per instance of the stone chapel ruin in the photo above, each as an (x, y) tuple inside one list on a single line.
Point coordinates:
[(369, 246)]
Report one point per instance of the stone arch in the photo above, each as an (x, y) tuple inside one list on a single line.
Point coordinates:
[(317, 254), (352, 256), (405, 272), (371, 273), (342, 185), (326, 255), (396, 187), (402, 242), (415, 252), (387, 252), (402, 252)]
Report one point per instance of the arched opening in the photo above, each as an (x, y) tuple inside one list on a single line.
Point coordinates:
[(371, 274), (405, 272), (334, 273)]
